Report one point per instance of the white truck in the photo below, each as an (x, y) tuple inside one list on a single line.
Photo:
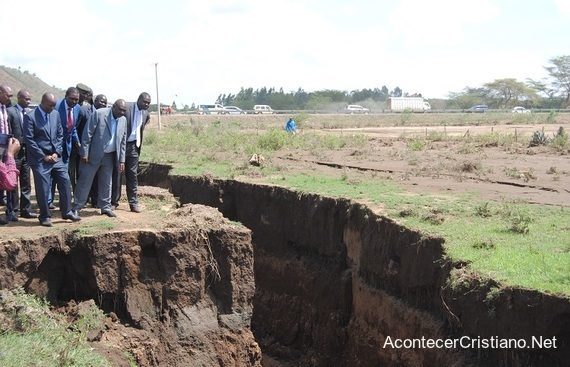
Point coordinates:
[(407, 103)]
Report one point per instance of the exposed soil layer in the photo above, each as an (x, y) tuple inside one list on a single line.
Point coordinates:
[(178, 296), (334, 280)]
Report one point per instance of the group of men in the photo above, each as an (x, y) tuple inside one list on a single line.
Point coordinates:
[(76, 144)]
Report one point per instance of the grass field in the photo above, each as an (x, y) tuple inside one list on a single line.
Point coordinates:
[(513, 241)]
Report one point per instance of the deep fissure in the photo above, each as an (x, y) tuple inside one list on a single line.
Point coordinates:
[(332, 281)]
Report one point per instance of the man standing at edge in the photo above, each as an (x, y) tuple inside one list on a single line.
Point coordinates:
[(85, 101), (69, 113), (43, 135), (104, 144), (137, 118), (87, 110), (5, 102), (23, 201)]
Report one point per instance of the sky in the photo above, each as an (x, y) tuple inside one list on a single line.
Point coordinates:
[(197, 50)]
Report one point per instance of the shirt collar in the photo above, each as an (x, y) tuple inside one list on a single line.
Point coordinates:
[(44, 114)]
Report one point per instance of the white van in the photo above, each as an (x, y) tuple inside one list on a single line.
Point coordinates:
[(210, 109), (262, 108)]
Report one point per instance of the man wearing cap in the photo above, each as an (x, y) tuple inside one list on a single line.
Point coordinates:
[(85, 94), (85, 102)]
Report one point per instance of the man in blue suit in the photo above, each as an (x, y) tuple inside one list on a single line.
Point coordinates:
[(69, 111), (69, 114), (43, 135)]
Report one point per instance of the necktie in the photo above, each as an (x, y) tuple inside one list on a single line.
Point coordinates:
[(4, 121), (69, 119), (138, 132)]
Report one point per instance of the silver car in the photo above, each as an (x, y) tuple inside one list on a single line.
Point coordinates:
[(233, 110)]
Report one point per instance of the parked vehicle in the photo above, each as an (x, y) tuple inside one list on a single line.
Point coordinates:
[(407, 104), (478, 108), (233, 110), (262, 108), (354, 108), (520, 110), (210, 109)]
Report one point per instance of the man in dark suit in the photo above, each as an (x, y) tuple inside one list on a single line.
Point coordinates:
[(16, 116), (103, 147), (43, 136), (137, 117)]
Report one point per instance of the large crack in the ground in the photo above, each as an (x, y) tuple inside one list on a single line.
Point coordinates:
[(334, 282), (402, 172)]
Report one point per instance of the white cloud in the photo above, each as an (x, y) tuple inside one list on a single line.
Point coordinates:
[(438, 22), (563, 6)]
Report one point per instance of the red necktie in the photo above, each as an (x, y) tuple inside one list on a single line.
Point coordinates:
[(69, 119)]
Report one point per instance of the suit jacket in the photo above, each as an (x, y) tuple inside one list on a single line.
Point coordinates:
[(129, 116), (69, 137), (17, 125), (42, 138), (85, 113), (97, 134)]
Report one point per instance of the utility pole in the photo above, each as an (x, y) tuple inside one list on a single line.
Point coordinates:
[(157, 99)]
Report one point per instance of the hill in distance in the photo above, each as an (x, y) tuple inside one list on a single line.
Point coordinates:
[(17, 80)]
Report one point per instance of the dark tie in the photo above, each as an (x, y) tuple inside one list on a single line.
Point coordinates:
[(69, 119), (4, 121)]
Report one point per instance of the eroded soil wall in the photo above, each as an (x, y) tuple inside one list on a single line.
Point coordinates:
[(335, 281), (184, 294)]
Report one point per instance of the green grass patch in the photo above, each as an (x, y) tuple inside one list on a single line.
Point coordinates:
[(38, 337)]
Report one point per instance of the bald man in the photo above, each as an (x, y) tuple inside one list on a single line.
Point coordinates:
[(43, 135), (103, 147)]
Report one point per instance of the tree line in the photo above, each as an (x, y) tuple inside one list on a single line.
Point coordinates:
[(553, 91)]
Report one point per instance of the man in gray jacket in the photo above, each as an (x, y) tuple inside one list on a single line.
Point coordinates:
[(103, 145)]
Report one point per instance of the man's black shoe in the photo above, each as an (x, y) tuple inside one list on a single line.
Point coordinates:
[(28, 215), (11, 217), (46, 222), (72, 217), (3, 222), (109, 213)]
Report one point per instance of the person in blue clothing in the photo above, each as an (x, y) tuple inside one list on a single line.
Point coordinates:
[(291, 126)]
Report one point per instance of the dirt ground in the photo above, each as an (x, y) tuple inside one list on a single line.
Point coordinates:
[(152, 201), (538, 175)]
